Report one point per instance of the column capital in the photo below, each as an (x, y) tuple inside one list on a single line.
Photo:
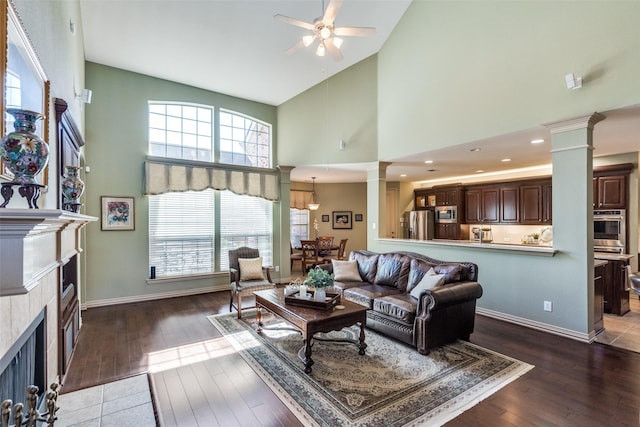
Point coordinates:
[(574, 124)]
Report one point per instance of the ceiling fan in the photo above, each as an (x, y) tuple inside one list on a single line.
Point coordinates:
[(324, 30)]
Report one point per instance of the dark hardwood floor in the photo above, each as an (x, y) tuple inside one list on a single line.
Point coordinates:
[(572, 384)]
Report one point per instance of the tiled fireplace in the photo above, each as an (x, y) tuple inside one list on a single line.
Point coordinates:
[(39, 251)]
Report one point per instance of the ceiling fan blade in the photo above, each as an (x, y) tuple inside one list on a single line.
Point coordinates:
[(293, 21), (295, 47), (332, 10), (332, 49), (355, 31)]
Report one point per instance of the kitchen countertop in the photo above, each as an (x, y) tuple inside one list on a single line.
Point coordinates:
[(599, 262), (502, 247), (612, 257)]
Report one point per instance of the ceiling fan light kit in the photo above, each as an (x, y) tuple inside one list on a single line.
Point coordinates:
[(323, 28)]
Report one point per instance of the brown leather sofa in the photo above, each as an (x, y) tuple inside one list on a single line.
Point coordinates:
[(439, 315)]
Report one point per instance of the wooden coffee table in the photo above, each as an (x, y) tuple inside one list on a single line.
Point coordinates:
[(310, 321)]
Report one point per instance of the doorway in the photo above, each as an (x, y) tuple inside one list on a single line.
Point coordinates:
[(391, 214)]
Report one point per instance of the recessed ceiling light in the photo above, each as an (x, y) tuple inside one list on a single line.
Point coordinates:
[(403, 175), (505, 160), (537, 141), (479, 171), (428, 161), (475, 149)]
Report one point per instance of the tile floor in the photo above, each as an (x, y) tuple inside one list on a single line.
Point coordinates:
[(121, 403), (623, 331)]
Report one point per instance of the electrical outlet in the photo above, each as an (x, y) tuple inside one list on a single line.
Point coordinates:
[(548, 306), (277, 268)]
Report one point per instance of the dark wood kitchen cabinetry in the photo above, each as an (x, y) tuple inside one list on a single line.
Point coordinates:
[(535, 203), (598, 296), (509, 204), (616, 297), (448, 231), (610, 192), (424, 199), (482, 205), (449, 196)]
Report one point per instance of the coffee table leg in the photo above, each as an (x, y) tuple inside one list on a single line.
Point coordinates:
[(307, 355), (362, 345), (259, 318)]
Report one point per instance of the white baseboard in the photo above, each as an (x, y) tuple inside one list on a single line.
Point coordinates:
[(150, 297), (544, 327)]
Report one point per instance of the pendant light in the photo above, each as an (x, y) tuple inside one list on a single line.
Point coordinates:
[(313, 205)]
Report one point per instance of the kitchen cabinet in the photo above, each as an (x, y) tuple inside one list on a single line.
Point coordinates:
[(535, 203), (449, 196), (598, 295), (448, 231), (616, 297), (509, 204), (482, 205), (424, 199), (610, 192)]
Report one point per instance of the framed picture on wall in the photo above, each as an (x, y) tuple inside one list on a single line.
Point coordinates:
[(358, 217), (325, 218), (118, 213), (342, 220)]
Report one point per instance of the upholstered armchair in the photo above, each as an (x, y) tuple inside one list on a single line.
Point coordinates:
[(246, 274)]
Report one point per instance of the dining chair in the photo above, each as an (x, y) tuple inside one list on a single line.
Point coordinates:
[(247, 274), (295, 256), (341, 251), (310, 255), (325, 245)]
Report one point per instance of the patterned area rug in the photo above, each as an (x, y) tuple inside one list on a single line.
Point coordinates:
[(391, 385)]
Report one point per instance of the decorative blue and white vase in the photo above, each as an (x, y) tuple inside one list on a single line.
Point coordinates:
[(72, 185), (23, 152)]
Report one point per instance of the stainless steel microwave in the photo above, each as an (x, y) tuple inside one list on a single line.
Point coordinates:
[(447, 214)]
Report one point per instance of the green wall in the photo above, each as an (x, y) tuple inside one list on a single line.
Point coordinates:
[(117, 144)]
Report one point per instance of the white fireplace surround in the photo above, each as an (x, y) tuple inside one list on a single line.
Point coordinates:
[(34, 245)]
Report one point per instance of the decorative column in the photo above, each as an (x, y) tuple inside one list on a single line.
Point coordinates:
[(284, 220), (376, 201), (572, 157)]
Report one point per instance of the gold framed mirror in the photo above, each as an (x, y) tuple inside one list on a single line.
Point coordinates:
[(25, 84)]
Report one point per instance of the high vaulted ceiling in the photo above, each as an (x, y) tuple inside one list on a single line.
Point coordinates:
[(236, 47)]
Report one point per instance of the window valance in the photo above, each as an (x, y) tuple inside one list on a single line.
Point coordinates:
[(170, 175), (299, 199)]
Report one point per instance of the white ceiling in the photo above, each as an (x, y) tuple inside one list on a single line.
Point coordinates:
[(236, 47)]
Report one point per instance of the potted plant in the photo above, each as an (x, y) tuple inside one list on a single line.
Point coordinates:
[(319, 279)]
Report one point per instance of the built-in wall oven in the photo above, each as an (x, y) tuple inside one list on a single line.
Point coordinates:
[(446, 214), (609, 230)]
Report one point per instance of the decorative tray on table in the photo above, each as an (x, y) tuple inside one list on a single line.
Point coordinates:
[(329, 303)]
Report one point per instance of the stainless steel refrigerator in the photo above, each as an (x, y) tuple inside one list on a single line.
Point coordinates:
[(418, 225)]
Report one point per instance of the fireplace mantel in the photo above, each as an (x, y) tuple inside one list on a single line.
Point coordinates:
[(33, 242)]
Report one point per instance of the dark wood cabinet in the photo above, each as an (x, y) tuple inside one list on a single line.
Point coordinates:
[(424, 199), (509, 204), (535, 203), (616, 297), (482, 205), (598, 298), (448, 196), (610, 192), (448, 231)]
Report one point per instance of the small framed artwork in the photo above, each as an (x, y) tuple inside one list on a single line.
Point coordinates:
[(358, 217), (118, 213), (342, 220), (325, 218)]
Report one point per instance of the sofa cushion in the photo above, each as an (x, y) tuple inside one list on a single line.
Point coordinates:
[(417, 270), (341, 286), (428, 281), (367, 265), (451, 272), (364, 295), (393, 270), (346, 271), (400, 306)]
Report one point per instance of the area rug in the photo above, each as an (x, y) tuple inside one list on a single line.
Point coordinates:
[(391, 385)]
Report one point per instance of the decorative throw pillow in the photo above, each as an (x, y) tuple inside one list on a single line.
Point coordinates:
[(250, 268), (346, 271), (428, 281), (451, 271)]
